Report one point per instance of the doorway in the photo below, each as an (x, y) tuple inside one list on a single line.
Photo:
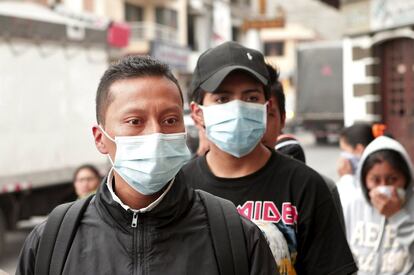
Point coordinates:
[(397, 89)]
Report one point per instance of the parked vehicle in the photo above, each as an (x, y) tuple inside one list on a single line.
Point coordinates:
[(49, 71), (319, 99)]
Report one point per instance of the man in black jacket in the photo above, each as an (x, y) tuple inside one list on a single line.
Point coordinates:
[(231, 95), (144, 219)]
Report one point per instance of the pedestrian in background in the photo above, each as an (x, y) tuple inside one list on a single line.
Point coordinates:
[(352, 141), (86, 180), (231, 91), (380, 218)]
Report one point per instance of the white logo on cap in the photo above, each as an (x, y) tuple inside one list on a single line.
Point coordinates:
[(249, 56)]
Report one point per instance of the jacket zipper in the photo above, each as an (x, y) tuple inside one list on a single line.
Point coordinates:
[(134, 220), (134, 225)]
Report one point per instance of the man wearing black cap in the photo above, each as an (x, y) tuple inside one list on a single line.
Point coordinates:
[(230, 89)]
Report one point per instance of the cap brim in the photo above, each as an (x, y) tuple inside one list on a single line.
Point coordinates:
[(214, 81)]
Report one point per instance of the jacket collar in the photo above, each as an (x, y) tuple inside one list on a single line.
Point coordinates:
[(171, 208), (110, 182)]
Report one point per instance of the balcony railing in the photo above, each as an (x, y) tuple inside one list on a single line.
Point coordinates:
[(146, 31)]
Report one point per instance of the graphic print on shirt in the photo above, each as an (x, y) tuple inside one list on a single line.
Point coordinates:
[(278, 226), (367, 237)]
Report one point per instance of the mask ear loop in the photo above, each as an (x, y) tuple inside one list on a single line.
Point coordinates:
[(106, 134), (111, 139)]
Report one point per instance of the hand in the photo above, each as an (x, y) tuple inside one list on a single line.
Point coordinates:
[(386, 205), (344, 167)]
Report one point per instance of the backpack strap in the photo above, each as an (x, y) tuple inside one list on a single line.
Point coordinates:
[(227, 235), (57, 242)]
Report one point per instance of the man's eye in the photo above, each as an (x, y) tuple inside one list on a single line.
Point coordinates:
[(171, 121), (252, 99), (222, 99), (135, 121)]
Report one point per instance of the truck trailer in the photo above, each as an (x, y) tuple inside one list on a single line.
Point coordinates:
[(49, 71)]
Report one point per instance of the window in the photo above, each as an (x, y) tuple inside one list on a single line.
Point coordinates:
[(274, 48), (192, 43), (134, 13), (165, 16)]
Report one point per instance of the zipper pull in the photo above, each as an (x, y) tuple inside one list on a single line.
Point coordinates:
[(134, 220)]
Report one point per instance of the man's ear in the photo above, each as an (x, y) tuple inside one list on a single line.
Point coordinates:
[(98, 135), (269, 107), (197, 115)]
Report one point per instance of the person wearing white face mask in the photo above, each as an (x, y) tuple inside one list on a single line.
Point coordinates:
[(144, 219), (352, 141), (380, 218), (231, 97)]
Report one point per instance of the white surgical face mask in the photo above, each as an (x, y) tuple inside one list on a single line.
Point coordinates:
[(235, 127), (147, 163), (387, 191), (353, 159)]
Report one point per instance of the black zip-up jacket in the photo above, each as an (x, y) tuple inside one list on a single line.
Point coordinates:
[(173, 238)]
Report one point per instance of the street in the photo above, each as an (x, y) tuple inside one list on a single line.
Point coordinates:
[(320, 158), (14, 241)]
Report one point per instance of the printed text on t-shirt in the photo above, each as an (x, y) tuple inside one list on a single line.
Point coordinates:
[(267, 211)]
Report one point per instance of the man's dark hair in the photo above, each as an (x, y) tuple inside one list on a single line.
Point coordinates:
[(125, 68), (198, 95), (394, 158), (360, 133), (276, 89)]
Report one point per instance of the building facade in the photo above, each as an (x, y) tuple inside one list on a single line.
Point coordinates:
[(379, 65)]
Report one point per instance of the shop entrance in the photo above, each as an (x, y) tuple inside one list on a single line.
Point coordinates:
[(397, 89)]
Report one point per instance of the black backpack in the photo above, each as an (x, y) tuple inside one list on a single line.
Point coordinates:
[(225, 228)]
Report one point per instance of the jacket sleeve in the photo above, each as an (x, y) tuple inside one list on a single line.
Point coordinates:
[(27, 257), (261, 261)]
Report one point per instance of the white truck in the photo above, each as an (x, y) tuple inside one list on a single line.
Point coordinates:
[(49, 71)]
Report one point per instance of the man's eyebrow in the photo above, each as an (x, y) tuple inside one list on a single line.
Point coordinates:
[(221, 92), (250, 90), (174, 108), (134, 109)]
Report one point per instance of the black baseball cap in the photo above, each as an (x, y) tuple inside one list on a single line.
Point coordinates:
[(216, 63)]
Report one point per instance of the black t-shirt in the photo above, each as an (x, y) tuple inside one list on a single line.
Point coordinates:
[(296, 199)]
